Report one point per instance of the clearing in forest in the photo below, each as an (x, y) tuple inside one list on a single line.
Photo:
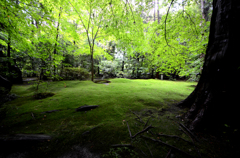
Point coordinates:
[(124, 106)]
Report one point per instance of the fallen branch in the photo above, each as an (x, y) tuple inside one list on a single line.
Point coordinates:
[(149, 149), (87, 132), (173, 147), (188, 131), (146, 123), (143, 153), (32, 116), (168, 154), (129, 130), (137, 116), (146, 129), (192, 142), (173, 136)]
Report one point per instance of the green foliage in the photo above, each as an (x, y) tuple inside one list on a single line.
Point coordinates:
[(75, 73), (108, 68), (193, 67), (40, 86), (85, 28)]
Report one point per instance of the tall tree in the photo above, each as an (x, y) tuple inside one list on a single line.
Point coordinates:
[(215, 99), (104, 19), (55, 46)]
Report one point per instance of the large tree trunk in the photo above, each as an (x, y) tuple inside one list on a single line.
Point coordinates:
[(215, 99)]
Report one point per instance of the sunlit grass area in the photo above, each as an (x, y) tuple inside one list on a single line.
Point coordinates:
[(147, 98)]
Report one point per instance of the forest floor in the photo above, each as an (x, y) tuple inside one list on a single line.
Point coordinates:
[(124, 106)]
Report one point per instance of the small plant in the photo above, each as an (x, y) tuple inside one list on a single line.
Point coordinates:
[(41, 89)]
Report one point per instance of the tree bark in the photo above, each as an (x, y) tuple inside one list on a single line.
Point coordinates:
[(214, 100), (92, 67), (204, 10), (122, 65)]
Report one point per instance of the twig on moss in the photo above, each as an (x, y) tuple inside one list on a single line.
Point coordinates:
[(149, 149), (168, 154), (129, 130), (192, 142), (137, 116), (146, 123), (173, 147), (32, 115), (146, 129), (173, 136)]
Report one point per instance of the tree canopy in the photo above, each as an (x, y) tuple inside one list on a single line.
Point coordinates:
[(43, 33)]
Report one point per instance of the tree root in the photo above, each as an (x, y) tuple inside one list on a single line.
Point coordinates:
[(192, 135)]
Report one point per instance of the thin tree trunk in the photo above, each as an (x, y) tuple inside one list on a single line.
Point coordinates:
[(152, 72), (158, 11), (202, 9), (122, 65), (9, 51), (214, 101), (154, 10), (55, 47), (92, 65)]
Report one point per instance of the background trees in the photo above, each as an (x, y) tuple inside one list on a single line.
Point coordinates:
[(143, 40)]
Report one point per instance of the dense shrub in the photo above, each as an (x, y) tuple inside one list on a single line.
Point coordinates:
[(75, 73)]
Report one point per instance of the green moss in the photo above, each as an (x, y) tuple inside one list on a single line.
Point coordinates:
[(147, 98)]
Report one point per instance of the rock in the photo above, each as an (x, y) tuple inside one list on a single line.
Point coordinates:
[(86, 107)]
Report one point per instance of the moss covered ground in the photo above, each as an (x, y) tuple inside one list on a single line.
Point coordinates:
[(151, 100)]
